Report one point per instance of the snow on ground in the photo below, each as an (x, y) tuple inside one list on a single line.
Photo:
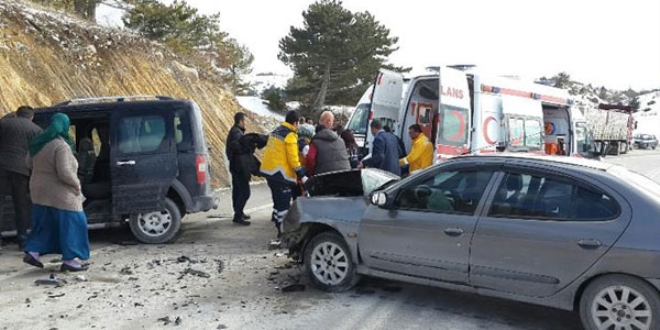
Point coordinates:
[(109, 16), (258, 106), (262, 81)]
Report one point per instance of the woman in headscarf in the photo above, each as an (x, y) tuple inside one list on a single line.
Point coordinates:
[(59, 225)]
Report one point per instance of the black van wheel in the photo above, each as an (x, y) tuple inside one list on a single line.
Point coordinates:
[(157, 227)]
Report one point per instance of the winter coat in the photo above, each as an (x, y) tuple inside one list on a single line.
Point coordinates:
[(385, 153), (233, 148), (327, 153), (15, 136), (281, 160), (54, 180), (420, 156), (247, 161)]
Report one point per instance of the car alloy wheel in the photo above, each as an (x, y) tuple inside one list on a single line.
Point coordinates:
[(155, 224), (329, 263), (621, 307), (157, 227)]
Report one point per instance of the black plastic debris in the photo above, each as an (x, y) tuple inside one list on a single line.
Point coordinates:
[(52, 280), (126, 271), (56, 295), (196, 272), (165, 319), (221, 266), (294, 288)]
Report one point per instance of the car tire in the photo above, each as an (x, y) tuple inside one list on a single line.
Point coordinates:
[(329, 263), (158, 227), (633, 299)]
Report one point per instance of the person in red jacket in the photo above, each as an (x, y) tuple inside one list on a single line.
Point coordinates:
[(327, 151)]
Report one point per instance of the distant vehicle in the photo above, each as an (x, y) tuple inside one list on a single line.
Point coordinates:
[(645, 141), (563, 232), (611, 126), (144, 162), (469, 112)]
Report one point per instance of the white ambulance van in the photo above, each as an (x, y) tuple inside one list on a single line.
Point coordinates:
[(467, 112)]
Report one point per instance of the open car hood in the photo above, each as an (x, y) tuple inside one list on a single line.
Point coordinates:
[(356, 182)]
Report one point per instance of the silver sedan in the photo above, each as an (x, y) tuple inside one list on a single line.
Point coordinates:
[(561, 232)]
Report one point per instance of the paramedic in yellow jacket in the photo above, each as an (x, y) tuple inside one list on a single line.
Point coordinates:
[(281, 166), (421, 152)]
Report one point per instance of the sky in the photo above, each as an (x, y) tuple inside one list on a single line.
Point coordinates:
[(610, 43)]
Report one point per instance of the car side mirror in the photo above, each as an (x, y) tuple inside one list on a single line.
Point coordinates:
[(381, 200)]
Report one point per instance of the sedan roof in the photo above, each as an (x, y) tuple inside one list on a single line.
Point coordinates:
[(575, 161)]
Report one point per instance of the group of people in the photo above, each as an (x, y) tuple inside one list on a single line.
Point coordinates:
[(296, 150), (39, 171), (293, 151), (388, 153)]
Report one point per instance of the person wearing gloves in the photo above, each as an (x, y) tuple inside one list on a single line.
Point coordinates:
[(421, 152), (281, 166)]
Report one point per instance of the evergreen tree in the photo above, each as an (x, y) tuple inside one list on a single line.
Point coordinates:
[(634, 103), (336, 54), (188, 32)]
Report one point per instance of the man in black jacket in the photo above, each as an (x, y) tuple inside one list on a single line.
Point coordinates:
[(240, 181), (15, 136)]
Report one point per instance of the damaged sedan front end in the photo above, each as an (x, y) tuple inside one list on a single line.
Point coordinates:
[(336, 202)]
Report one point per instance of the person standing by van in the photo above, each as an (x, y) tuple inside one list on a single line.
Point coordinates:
[(59, 224), (385, 154), (240, 181), (15, 135), (421, 152), (281, 166)]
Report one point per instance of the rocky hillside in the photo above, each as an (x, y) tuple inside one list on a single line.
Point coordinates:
[(48, 57)]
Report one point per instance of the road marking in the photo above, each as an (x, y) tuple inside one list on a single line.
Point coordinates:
[(250, 210), (259, 208)]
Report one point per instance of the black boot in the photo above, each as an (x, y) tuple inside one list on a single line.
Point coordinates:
[(279, 231)]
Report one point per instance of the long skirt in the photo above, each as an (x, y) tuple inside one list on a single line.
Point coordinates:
[(56, 231)]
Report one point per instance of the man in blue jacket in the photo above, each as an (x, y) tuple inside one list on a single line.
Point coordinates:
[(385, 151)]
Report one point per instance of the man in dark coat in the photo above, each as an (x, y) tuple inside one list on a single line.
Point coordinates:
[(385, 152), (15, 136), (240, 180), (327, 151)]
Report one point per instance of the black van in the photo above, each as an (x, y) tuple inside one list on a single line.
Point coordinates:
[(142, 160)]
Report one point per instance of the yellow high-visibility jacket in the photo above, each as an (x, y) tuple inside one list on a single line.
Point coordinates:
[(420, 156), (281, 160)]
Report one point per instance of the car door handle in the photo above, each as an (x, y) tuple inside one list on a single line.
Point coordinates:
[(454, 232), (128, 162), (590, 243)]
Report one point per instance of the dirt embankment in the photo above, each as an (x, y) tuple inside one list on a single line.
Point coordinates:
[(48, 57)]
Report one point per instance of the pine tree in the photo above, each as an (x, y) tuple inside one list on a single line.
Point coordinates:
[(188, 32), (336, 54)]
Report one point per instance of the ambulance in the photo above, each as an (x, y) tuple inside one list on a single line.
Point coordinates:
[(463, 112)]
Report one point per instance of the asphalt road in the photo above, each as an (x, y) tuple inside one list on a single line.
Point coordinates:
[(248, 292)]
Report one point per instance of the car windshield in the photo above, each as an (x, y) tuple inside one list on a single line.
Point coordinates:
[(640, 181), (375, 179)]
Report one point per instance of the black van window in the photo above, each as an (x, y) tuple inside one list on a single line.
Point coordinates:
[(182, 131), (141, 134)]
